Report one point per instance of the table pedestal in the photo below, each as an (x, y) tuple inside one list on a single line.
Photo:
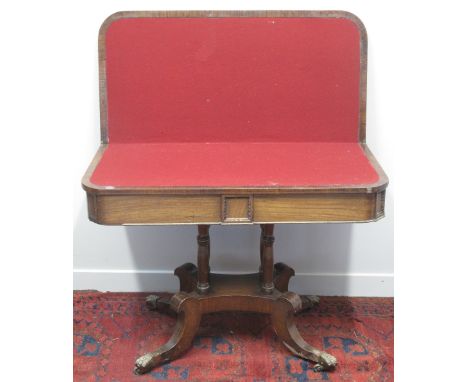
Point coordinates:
[(203, 292)]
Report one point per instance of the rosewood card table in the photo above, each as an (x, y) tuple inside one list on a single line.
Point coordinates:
[(233, 118)]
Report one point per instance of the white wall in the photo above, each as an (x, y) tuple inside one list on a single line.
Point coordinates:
[(330, 259)]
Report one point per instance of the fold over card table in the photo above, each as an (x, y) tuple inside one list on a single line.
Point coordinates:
[(233, 118)]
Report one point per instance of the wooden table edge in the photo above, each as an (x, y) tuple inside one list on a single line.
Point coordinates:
[(234, 205)]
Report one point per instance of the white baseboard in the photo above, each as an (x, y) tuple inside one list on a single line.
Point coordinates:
[(323, 284)]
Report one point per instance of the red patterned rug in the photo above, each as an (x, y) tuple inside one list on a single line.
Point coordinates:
[(111, 329)]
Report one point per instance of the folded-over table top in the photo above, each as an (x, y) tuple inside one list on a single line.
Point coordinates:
[(233, 102), (233, 117), (233, 79)]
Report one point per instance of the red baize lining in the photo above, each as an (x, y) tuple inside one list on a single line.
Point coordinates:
[(233, 164), (233, 79), (277, 100)]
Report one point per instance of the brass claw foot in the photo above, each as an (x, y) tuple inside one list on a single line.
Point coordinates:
[(326, 362), (287, 305), (308, 302), (158, 303), (188, 320), (145, 363), (152, 301)]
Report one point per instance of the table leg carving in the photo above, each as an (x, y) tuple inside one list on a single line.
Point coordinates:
[(283, 274), (188, 321), (187, 274), (282, 319)]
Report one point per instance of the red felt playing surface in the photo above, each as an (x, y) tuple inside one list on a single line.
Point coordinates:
[(234, 164), (218, 102)]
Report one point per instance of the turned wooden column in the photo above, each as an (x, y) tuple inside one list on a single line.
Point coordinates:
[(267, 258), (203, 259), (260, 269)]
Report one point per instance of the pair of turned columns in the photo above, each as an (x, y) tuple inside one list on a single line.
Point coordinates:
[(266, 258)]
